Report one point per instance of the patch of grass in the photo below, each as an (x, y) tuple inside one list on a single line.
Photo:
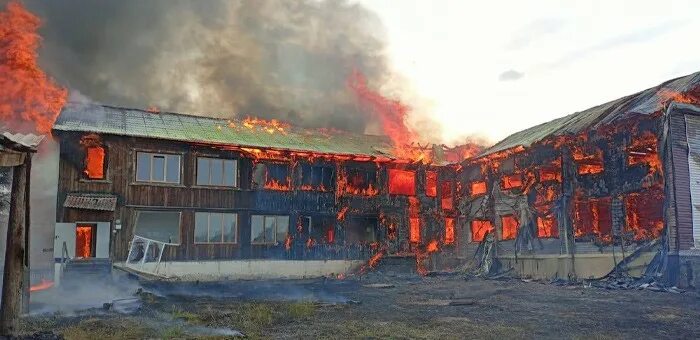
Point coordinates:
[(172, 333), (301, 310), (95, 328), (186, 316)]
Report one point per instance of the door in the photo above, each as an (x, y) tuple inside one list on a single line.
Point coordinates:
[(85, 237)]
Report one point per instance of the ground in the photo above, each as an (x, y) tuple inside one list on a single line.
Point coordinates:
[(438, 307)]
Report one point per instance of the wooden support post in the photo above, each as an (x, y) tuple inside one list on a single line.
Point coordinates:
[(13, 283)]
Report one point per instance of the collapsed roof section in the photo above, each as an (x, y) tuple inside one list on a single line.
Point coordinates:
[(80, 117), (646, 102)]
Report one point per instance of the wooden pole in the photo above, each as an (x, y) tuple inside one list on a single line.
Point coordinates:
[(13, 277), (27, 223)]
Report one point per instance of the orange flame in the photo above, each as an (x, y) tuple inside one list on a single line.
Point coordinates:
[(273, 184), (43, 285), (288, 242), (27, 95), (269, 126)]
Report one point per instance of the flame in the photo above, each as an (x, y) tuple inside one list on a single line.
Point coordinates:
[(27, 95), (478, 188), (43, 285), (511, 181), (355, 185), (269, 126), (341, 214), (310, 242), (421, 256), (288, 242), (402, 182), (83, 241), (588, 163), (431, 178), (643, 150), (274, 184), (547, 227), (644, 214), (153, 109), (509, 227), (480, 228), (446, 201), (668, 95), (449, 230), (414, 220), (330, 235)]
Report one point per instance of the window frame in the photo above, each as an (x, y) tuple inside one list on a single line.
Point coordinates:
[(179, 226), (236, 175), (209, 213), (180, 156), (324, 168), (264, 218)]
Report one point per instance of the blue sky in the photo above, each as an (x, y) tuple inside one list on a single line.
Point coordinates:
[(493, 68)]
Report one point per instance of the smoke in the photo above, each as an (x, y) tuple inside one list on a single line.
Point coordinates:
[(272, 59)]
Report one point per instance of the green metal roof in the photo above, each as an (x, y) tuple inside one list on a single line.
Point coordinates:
[(642, 103), (80, 117)]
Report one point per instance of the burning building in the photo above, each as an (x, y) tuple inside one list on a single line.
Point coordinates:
[(591, 192), (192, 197)]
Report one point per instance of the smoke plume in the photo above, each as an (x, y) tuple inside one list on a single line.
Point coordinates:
[(272, 59)]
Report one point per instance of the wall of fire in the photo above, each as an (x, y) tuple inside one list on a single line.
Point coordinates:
[(572, 194)]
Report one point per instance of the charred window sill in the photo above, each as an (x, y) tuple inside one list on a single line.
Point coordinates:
[(152, 184), (216, 187), (96, 181)]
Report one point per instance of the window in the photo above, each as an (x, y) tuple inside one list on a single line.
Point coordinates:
[(547, 227), (361, 181), (593, 217), (361, 230), (478, 188), (431, 178), (414, 232), (154, 167), (480, 228), (446, 194), (218, 172), (588, 163), (163, 226), (277, 176), (95, 162), (268, 229), (215, 227), (402, 182), (511, 181), (509, 227), (449, 230), (644, 213), (319, 178)]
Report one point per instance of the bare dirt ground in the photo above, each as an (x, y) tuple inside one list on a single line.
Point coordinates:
[(442, 307)]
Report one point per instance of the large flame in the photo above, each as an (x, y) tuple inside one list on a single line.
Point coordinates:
[(27, 95)]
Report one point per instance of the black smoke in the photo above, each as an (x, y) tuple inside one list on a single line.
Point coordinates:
[(273, 59)]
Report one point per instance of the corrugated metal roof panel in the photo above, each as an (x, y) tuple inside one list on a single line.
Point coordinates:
[(103, 202), (174, 126)]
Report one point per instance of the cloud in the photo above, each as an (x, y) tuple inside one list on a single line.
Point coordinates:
[(510, 75), (534, 31)]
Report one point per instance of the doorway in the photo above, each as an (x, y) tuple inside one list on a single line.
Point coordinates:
[(85, 237)]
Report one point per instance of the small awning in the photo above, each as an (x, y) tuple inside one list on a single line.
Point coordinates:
[(103, 202)]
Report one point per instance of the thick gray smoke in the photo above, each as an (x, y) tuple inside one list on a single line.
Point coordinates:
[(267, 58)]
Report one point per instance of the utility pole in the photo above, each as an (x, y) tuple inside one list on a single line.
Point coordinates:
[(15, 283)]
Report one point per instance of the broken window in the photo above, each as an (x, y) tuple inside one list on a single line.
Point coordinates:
[(588, 163), (414, 220), (361, 230), (642, 150), (217, 172), (644, 214), (593, 217), (277, 176), (361, 181), (155, 167), (431, 178), (449, 230), (162, 226), (509, 227), (447, 195), (547, 227), (94, 163), (478, 188), (550, 174), (402, 182), (215, 227), (268, 229), (480, 228), (511, 181), (316, 177)]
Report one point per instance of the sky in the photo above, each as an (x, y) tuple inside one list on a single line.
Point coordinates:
[(492, 68)]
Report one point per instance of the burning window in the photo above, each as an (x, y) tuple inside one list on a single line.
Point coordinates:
[(414, 233), (588, 163), (217, 172), (268, 229), (360, 181), (402, 182), (547, 227), (215, 227), (277, 176), (163, 226), (478, 188), (550, 173), (509, 227), (593, 217), (447, 195), (361, 230), (155, 167), (431, 178), (644, 214), (480, 228), (316, 177), (642, 150), (511, 181), (94, 163), (449, 230)]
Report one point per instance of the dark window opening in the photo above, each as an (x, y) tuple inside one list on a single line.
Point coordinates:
[(402, 182), (361, 230), (317, 178), (361, 181), (277, 176)]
